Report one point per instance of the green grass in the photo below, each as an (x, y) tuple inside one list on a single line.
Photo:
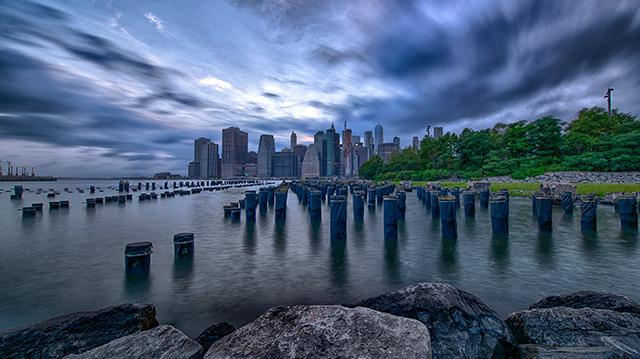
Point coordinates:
[(604, 188)]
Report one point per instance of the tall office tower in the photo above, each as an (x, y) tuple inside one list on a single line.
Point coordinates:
[(332, 152), (193, 170), (300, 150), (437, 132), (294, 140), (385, 151), (252, 157), (416, 143), (396, 141), (321, 145), (213, 169), (368, 143), (355, 138), (311, 163), (285, 165), (379, 136), (266, 153), (235, 146), (347, 153), (362, 154), (200, 156)]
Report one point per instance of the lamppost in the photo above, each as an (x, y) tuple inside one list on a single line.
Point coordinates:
[(608, 97)]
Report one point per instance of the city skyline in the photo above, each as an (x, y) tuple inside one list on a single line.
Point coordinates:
[(120, 88)]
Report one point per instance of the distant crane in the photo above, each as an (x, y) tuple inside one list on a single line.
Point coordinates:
[(608, 97), (19, 170)]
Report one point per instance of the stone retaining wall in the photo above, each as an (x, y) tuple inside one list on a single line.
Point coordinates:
[(575, 177)]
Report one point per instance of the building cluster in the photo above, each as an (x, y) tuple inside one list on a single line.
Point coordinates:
[(327, 156)]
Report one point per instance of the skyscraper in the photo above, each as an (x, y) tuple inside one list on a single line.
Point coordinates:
[(379, 136), (368, 143), (416, 143), (332, 152), (321, 146), (205, 159), (311, 163), (294, 140), (285, 165), (437, 132), (235, 145), (347, 153), (266, 153), (385, 151), (355, 139), (300, 151), (396, 141)]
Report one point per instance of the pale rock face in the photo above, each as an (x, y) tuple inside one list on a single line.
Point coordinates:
[(325, 331)]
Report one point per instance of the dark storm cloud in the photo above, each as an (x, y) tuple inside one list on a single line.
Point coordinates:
[(270, 95), (180, 98), (38, 107)]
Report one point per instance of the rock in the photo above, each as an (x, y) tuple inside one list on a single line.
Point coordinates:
[(535, 351), (77, 332), (583, 327), (590, 299), (331, 331), (213, 334), (163, 342), (460, 324)]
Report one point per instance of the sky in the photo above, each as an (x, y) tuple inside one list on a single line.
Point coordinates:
[(123, 88)]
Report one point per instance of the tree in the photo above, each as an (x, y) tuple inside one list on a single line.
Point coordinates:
[(546, 139), (369, 169)]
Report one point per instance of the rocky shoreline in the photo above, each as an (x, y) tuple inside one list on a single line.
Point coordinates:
[(574, 177), (425, 320)]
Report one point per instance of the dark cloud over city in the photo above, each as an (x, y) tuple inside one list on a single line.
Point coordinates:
[(110, 88)]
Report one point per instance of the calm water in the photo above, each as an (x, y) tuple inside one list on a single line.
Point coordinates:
[(72, 259)]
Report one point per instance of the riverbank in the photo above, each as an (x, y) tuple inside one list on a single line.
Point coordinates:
[(424, 320)]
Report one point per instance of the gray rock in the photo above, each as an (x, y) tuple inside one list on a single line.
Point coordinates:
[(325, 331), (213, 334), (77, 332), (535, 351), (460, 324), (584, 327), (590, 299), (163, 342)]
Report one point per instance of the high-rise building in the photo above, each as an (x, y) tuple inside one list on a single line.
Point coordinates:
[(311, 163), (385, 151), (332, 152), (321, 146), (379, 137), (205, 159), (347, 153), (396, 141), (437, 132), (300, 150), (252, 157), (368, 143), (294, 140), (416, 143), (235, 146), (266, 153), (355, 139), (285, 165), (360, 156)]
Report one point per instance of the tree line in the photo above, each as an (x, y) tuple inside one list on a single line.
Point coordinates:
[(592, 142)]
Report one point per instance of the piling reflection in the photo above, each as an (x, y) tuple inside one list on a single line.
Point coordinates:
[(392, 264), (448, 257), (500, 248), (545, 247), (279, 237), (315, 237), (183, 271), (590, 240), (137, 285), (339, 263), (249, 243)]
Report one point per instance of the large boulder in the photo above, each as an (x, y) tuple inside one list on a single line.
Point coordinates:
[(214, 333), (460, 324), (583, 327), (589, 299), (537, 351), (76, 332), (325, 331), (163, 342)]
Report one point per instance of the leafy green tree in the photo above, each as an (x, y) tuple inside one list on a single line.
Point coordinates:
[(546, 139), (593, 124), (369, 169), (474, 148)]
